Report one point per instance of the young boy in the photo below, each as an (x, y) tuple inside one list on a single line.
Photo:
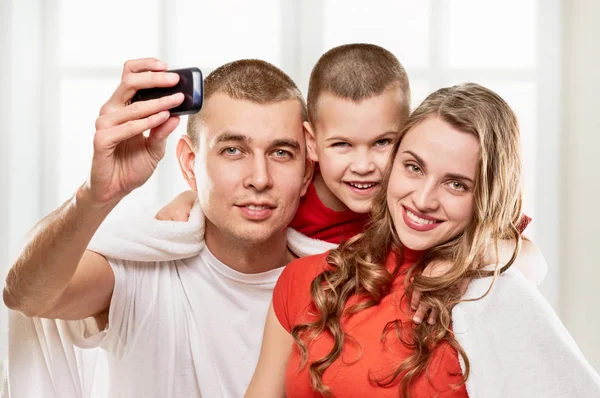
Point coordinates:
[(358, 99)]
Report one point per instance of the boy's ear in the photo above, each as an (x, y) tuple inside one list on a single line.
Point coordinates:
[(309, 172), (311, 142), (186, 158)]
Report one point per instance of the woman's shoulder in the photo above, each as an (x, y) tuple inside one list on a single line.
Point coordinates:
[(511, 283), (306, 268), (292, 291), (514, 339), (509, 297)]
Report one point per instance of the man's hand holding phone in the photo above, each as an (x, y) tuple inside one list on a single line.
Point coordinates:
[(124, 159)]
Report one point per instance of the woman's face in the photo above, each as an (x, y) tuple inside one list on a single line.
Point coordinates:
[(430, 192)]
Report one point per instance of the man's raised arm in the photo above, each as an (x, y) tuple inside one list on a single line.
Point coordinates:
[(54, 275)]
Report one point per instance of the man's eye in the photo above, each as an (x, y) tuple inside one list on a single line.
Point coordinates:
[(281, 153), (231, 151)]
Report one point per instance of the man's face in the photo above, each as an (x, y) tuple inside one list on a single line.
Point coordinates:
[(353, 141), (250, 167)]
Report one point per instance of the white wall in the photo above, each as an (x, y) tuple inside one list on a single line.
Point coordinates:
[(580, 217), (5, 48), (5, 114), (22, 108)]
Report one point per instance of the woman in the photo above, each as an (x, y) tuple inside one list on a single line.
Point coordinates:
[(339, 323)]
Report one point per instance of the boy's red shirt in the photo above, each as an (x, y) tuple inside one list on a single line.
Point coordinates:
[(317, 221)]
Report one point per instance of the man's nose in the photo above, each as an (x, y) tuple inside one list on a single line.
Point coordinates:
[(259, 176)]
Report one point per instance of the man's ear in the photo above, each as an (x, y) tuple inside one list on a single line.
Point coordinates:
[(311, 142), (186, 158)]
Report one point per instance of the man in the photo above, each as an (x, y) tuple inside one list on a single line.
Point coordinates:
[(190, 327)]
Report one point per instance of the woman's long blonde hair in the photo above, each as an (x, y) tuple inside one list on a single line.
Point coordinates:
[(357, 266)]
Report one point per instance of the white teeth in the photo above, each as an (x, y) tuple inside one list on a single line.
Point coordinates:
[(362, 186), (417, 219), (253, 207)]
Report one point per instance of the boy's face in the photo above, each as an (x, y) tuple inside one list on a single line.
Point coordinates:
[(352, 142)]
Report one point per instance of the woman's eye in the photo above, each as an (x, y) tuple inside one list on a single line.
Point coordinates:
[(383, 142), (413, 168), (458, 186)]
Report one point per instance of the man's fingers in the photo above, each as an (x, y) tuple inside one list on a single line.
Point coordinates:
[(158, 136), (113, 136), (420, 314), (143, 64), (139, 110), (133, 82), (124, 93), (163, 131), (137, 81)]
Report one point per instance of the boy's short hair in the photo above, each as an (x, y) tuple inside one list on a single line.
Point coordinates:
[(248, 79), (356, 72)]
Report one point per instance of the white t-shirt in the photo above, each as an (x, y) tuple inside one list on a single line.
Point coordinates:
[(185, 328)]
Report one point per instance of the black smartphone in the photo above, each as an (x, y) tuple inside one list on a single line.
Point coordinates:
[(190, 84)]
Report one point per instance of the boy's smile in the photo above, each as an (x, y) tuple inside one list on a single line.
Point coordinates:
[(361, 188)]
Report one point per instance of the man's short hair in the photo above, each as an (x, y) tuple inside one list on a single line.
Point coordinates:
[(248, 79), (356, 72)]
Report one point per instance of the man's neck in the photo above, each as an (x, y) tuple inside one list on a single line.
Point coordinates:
[(248, 257)]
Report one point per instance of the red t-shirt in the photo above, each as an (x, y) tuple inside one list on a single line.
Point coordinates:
[(349, 375), (317, 221), (524, 222)]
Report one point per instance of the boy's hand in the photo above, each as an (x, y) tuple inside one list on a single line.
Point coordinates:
[(423, 311), (179, 208)]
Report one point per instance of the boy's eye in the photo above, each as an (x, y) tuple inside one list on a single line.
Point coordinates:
[(457, 186), (340, 145), (383, 142)]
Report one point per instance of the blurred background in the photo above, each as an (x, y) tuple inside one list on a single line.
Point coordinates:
[(61, 59)]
